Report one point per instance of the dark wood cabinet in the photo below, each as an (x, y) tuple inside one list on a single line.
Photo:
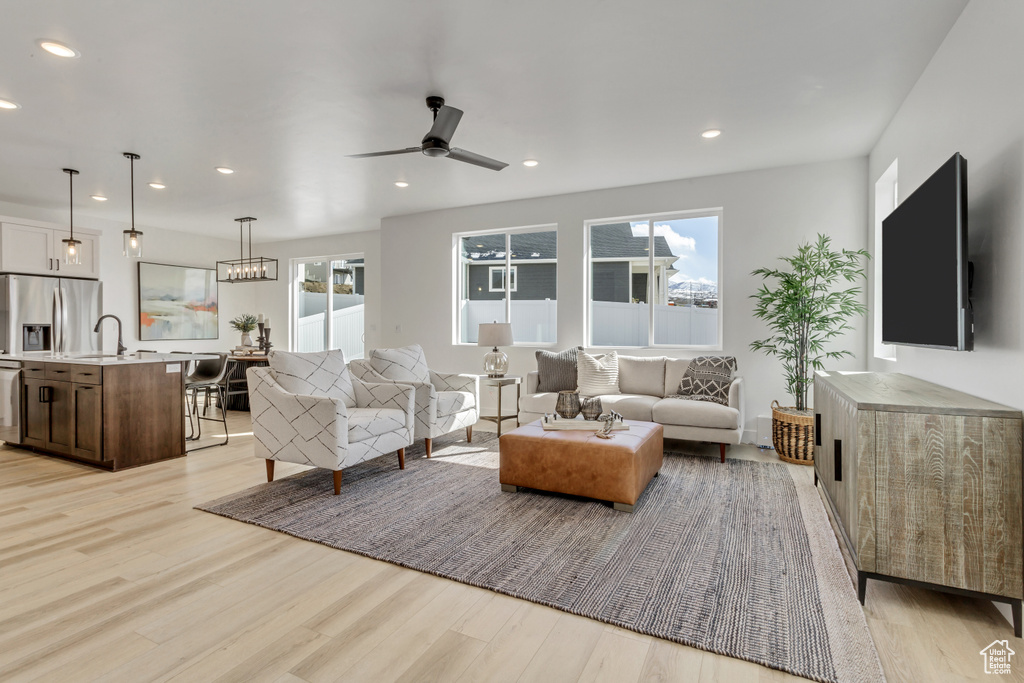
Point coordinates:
[(115, 416), (48, 415), (87, 403), (36, 414)]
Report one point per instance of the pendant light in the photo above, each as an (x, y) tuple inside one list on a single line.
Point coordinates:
[(133, 237), (246, 268), (72, 247)]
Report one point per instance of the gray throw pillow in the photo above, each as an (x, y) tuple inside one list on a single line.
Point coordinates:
[(707, 378), (557, 371)]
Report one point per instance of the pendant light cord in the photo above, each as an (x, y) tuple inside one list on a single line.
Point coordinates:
[(71, 202), (132, 160)]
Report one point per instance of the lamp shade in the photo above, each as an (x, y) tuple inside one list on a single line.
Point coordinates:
[(495, 334)]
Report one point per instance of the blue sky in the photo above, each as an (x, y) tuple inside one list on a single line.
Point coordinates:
[(695, 241)]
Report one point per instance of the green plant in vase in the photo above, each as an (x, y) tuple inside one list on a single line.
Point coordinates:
[(244, 323), (805, 308)]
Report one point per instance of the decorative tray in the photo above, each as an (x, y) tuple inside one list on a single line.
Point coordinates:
[(554, 423)]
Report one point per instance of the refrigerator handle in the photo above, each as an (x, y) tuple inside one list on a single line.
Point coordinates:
[(64, 320), (56, 332)]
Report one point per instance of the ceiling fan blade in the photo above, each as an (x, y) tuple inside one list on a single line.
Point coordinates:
[(407, 150), (444, 125), (476, 159)]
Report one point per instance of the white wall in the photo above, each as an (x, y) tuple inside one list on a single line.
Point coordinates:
[(120, 276), (970, 100), (766, 214)]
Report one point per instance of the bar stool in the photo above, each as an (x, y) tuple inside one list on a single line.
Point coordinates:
[(207, 376)]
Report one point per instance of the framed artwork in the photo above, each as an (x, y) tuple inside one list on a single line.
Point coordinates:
[(177, 302)]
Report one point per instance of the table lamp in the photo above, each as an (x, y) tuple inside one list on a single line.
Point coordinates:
[(495, 334)]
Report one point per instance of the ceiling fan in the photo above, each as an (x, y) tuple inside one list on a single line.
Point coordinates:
[(435, 142)]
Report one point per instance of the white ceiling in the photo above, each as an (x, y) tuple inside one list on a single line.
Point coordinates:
[(603, 93)]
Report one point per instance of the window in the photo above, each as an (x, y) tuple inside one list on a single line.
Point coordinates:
[(653, 281), (886, 199), (507, 276), (328, 284), (498, 279)]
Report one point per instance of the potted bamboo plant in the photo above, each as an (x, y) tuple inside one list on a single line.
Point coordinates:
[(805, 309)]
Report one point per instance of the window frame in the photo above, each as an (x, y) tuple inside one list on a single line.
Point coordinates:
[(458, 279), (293, 296), (512, 278), (651, 219)]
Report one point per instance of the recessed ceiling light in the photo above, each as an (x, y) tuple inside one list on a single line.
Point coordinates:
[(157, 186), (59, 49), (712, 133), (99, 197), (530, 162), (225, 170), (7, 104), (401, 183)]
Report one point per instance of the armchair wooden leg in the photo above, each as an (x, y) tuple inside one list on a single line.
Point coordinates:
[(721, 449), (337, 482), (428, 444), (469, 435), (270, 470), (401, 458)]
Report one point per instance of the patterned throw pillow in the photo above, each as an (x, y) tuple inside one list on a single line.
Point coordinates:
[(707, 378), (557, 371), (314, 374), (405, 364), (598, 375)]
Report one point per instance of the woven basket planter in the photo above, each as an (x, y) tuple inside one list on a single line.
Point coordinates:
[(793, 434)]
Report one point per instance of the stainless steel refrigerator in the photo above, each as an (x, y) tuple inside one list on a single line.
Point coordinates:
[(49, 314)]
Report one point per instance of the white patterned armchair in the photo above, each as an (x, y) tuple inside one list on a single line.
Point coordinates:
[(444, 402), (307, 409)]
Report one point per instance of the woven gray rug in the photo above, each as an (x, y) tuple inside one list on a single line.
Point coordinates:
[(736, 558)]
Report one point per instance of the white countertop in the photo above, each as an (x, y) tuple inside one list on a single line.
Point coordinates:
[(97, 359)]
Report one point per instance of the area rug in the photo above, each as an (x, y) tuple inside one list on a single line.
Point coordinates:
[(735, 558)]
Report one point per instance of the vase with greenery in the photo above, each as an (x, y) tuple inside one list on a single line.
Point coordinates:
[(806, 306), (245, 323)]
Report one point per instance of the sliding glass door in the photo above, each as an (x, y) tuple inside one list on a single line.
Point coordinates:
[(328, 305)]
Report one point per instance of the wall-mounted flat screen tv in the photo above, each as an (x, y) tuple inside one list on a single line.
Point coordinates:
[(925, 276)]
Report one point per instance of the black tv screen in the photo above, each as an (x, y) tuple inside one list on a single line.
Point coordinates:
[(925, 267)]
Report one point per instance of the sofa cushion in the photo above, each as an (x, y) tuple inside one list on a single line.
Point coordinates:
[(543, 402), (642, 375), (630, 406), (686, 413), (367, 423), (557, 371), (451, 402), (675, 368), (404, 364), (314, 374), (598, 375), (707, 378)]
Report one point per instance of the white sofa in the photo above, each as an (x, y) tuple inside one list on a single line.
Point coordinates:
[(645, 383)]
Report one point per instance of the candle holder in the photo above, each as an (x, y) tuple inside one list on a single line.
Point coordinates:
[(266, 340), (261, 339)]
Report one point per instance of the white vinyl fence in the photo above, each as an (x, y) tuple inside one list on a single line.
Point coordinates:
[(348, 332), (612, 323), (532, 321)]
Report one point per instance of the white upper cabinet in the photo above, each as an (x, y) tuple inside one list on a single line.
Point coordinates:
[(89, 258), (34, 250)]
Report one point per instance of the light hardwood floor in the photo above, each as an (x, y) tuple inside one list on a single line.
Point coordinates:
[(114, 577)]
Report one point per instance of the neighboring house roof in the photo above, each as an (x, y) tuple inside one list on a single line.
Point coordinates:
[(615, 240)]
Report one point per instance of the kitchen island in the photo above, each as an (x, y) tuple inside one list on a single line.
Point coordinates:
[(108, 411)]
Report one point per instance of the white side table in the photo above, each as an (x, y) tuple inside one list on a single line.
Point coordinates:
[(501, 383)]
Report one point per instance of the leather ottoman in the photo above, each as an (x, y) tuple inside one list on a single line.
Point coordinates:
[(581, 464)]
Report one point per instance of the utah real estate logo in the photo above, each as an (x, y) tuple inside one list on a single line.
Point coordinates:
[(997, 657)]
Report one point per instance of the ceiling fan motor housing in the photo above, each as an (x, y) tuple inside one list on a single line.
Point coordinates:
[(435, 148)]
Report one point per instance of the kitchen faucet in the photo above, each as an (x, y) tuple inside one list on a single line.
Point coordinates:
[(121, 348)]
